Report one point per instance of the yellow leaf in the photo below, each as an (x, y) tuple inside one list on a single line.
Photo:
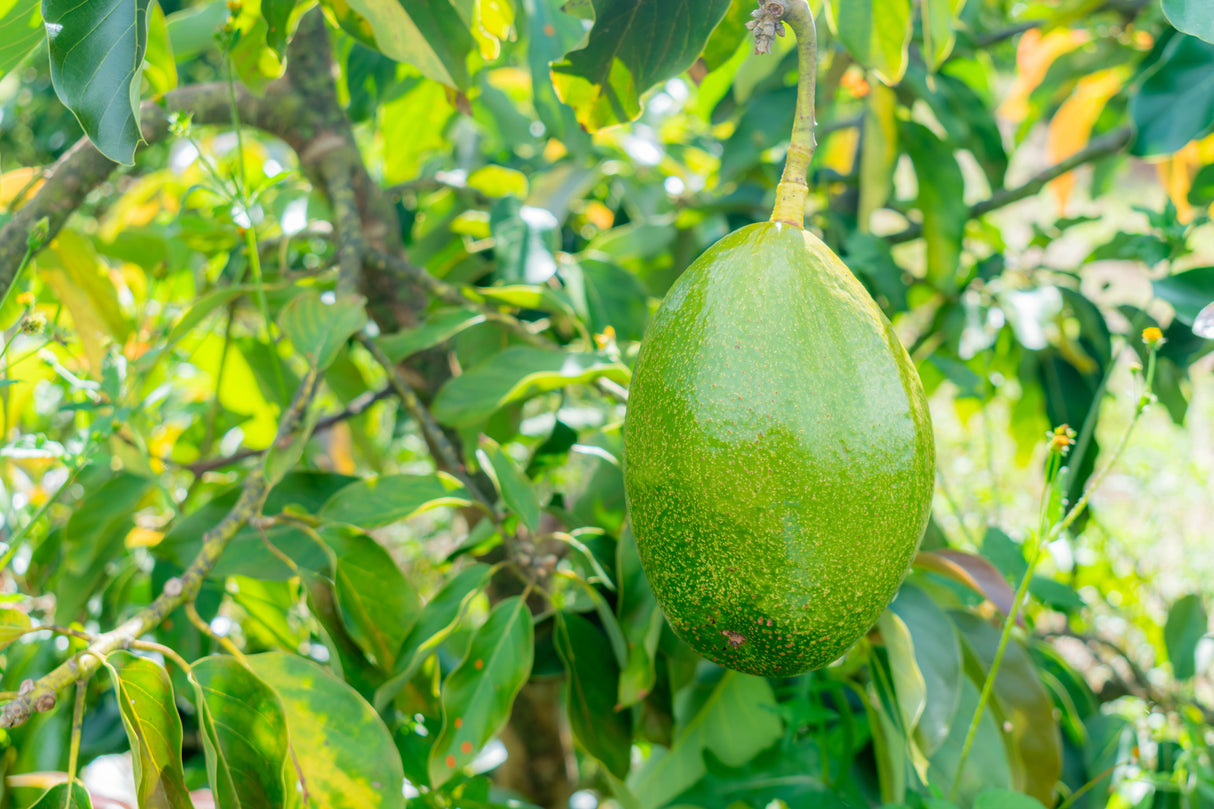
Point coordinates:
[(143, 538), (15, 180), (839, 151), (1178, 171), (72, 269), (1071, 127), (341, 449), (493, 21), (878, 152), (1034, 56)]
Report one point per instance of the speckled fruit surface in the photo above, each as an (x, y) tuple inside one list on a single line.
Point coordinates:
[(778, 454)]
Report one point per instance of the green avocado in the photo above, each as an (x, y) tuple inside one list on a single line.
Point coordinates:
[(778, 454)]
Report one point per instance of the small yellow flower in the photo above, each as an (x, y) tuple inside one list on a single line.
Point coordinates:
[(1061, 439), (1152, 336), (606, 338), (25, 300)]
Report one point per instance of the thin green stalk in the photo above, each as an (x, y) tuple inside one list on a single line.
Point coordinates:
[(73, 756), (1042, 540), (793, 187)]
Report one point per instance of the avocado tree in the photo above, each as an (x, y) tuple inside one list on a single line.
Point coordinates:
[(319, 323)]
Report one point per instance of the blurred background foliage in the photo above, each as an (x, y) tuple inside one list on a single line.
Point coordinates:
[(558, 165)]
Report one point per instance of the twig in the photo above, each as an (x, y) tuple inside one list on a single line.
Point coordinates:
[(356, 407), (37, 696), (1103, 146), (436, 440)]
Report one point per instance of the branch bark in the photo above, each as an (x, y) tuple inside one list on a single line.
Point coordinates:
[(40, 695), (1103, 146)]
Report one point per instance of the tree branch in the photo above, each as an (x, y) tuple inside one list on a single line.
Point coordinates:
[(1103, 146), (40, 695)]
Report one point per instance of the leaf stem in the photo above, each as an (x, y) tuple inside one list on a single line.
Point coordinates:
[(793, 187)]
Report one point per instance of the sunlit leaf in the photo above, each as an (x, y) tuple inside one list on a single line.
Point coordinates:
[(939, 29), (244, 735), (145, 698), (937, 653), (632, 47), (478, 695), (63, 796), (20, 31), (941, 199), (875, 32), (1071, 127), (96, 51), (375, 502), (517, 491), (159, 67), (277, 14), (318, 328), (352, 762), (514, 375), (439, 327), (431, 35), (909, 684), (13, 624)]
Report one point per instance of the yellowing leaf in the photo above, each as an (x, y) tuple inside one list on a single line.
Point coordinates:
[(1178, 171), (12, 182), (878, 152), (839, 151), (13, 624), (1071, 127), (1034, 56), (71, 268), (493, 21)]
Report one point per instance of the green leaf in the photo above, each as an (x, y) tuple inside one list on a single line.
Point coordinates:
[(499, 181), (318, 329), (61, 796), (1187, 624), (13, 624), (603, 731), (438, 619), (941, 200), (632, 47), (96, 51), (1175, 104), (159, 67), (145, 699), (1005, 799), (1188, 292), (987, 765), (525, 239), (909, 684), (731, 715), (478, 695), (518, 493), (516, 374), (351, 762), (1021, 702), (277, 14), (439, 327), (875, 32), (550, 34), (380, 501), (20, 31), (378, 606), (607, 296), (244, 735), (431, 35), (939, 29), (1190, 16), (640, 622), (938, 656)]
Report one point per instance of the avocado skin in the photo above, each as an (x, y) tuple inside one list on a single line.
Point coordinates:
[(778, 454)]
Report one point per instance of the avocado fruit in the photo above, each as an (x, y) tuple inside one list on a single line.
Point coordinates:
[(778, 454)]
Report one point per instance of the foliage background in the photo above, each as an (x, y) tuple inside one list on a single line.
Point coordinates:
[(311, 407)]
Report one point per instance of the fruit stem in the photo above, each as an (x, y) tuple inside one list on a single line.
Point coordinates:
[(793, 188)]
